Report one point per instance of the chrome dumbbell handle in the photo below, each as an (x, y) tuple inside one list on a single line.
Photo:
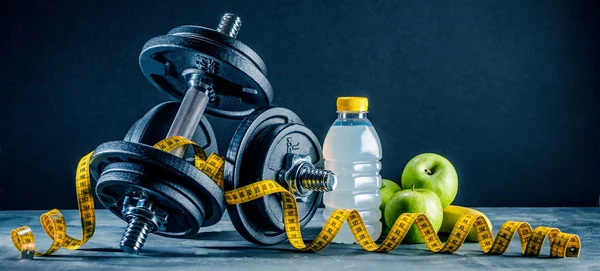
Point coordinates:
[(192, 108)]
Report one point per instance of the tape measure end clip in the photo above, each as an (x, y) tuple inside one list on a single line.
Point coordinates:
[(27, 254)]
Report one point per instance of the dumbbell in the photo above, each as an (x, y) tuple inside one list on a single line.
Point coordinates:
[(273, 143), (159, 192)]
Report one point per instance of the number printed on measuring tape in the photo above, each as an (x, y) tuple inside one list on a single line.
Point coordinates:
[(212, 166), (54, 223), (562, 244)]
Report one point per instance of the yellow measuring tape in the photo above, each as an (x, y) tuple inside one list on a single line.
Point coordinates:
[(561, 244), (53, 221)]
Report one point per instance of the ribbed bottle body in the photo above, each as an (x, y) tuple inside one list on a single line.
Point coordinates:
[(352, 150)]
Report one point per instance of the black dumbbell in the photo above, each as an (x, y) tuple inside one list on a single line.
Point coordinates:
[(161, 192), (273, 144)]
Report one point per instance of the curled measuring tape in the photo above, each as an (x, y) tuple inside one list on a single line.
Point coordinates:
[(561, 244), (53, 221)]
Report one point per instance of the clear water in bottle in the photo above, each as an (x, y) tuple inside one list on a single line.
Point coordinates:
[(352, 150)]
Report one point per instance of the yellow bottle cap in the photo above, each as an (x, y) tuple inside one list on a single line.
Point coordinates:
[(353, 104)]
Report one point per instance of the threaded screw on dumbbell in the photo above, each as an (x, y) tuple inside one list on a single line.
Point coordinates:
[(135, 235), (142, 218), (229, 25), (315, 179), (302, 177)]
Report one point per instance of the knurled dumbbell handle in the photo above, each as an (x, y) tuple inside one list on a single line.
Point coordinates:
[(189, 115)]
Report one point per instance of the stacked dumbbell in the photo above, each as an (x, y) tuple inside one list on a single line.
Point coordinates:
[(163, 193)]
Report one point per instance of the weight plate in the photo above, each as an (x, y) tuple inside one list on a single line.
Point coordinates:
[(169, 171), (265, 158), (244, 216), (155, 124), (186, 211), (210, 34), (238, 74)]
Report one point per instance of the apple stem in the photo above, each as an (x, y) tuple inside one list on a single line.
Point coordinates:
[(413, 187), (428, 171)]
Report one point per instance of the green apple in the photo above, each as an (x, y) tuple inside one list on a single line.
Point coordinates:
[(387, 190), (415, 201), (434, 172)]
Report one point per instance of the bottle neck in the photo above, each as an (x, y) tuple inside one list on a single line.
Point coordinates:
[(352, 115)]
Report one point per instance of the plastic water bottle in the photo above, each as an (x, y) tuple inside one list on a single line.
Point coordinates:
[(352, 150)]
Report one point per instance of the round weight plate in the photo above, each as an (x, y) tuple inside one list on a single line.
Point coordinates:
[(265, 158), (238, 74), (181, 175), (155, 124), (243, 216), (120, 179), (211, 34)]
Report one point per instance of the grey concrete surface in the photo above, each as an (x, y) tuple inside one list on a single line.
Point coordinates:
[(221, 248)]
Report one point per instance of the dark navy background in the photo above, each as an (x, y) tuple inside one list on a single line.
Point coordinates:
[(507, 90)]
